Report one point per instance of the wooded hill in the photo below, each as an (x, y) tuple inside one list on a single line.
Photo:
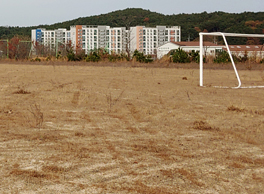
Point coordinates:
[(191, 24)]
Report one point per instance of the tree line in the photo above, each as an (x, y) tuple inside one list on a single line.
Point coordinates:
[(191, 24)]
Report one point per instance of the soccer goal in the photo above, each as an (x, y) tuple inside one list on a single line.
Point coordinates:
[(224, 35)]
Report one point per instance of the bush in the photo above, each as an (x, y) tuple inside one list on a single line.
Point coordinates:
[(93, 57), (180, 56), (117, 57), (37, 59), (195, 56), (78, 56), (48, 58), (140, 57), (71, 55), (222, 57)]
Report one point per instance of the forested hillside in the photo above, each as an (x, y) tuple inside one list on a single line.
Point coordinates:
[(191, 24)]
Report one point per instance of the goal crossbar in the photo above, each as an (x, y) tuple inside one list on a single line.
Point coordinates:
[(201, 34)]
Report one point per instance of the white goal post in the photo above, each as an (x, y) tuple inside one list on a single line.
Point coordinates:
[(201, 34)]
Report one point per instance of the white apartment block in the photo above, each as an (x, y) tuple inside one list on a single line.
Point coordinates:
[(63, 35), (94, 37), (50, 38), (147, 39), (88, 38)]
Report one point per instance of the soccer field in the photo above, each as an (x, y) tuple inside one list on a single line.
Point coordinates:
[(89, 129)]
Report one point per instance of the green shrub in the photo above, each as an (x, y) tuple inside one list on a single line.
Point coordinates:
[(59, 55), (140, 57), (113, 57), (71, 55), (195, 56), (37, 59), (180, 56), (93, 57), (75, 56), (48, 58), (222, 57)]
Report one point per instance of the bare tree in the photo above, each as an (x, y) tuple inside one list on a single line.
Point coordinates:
[(127, 21), (128, 43)]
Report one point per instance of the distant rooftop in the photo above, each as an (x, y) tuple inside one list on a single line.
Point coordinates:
[(245, 47), (206, 43)]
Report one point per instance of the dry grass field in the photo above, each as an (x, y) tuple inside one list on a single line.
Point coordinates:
[(94, 129)]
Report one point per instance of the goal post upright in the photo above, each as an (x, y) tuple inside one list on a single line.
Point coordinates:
[(201, 59), (201, 34)]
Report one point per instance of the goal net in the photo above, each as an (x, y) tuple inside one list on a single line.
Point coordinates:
[(224, 35)]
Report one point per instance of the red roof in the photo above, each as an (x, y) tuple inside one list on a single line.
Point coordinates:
[(231, 47), (205, 43), (245, 47)]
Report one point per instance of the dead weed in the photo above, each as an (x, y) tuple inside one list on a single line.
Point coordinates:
[(204, 126)]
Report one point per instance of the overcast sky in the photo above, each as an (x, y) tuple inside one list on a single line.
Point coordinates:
[(36, 12)]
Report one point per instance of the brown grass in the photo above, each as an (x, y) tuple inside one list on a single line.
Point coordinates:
[(114, 128), (204, 126), (21, 91), (235, 109)]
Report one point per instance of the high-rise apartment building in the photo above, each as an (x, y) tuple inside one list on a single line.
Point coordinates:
[(50, 38), (118, 39), (95, 37), (147, 39)]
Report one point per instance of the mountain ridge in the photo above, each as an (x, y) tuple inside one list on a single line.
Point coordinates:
[(191, 24)]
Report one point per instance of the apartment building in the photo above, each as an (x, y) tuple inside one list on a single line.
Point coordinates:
[(147, 39), (63, 35), (49, 38), (117, 39), (94, 37)]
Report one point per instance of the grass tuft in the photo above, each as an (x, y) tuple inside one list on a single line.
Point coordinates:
[(235, 109), (204, 126), (21, 91)]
